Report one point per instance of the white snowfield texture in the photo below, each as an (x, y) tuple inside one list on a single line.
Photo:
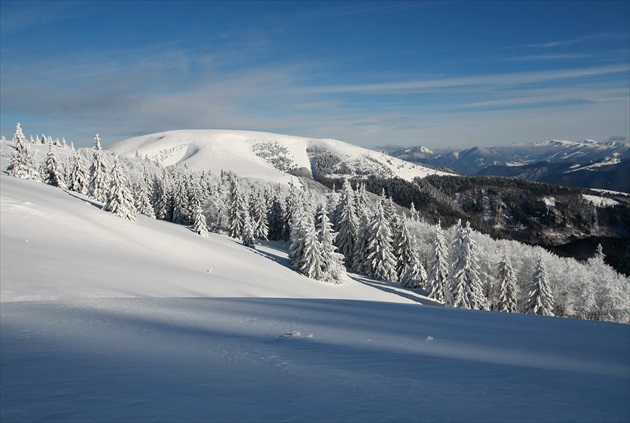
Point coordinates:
[(106, 320), (234, 150)]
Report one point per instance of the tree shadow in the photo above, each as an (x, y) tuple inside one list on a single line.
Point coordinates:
[(387, 286), (86, 200)]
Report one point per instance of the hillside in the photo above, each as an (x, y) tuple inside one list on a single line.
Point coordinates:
[(113, 321), (272, 157)]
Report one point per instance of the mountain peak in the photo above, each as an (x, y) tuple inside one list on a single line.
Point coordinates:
[(269, 156)]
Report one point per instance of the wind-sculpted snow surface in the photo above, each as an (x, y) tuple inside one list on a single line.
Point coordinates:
[(107, 320), (255, 359), (265, 155)]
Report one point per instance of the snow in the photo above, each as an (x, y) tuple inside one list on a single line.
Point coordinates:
[(107, 320), (550, 202), (600, 201), (606, 162), (217, 150)]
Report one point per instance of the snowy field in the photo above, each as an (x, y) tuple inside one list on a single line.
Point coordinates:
[(113, 321)]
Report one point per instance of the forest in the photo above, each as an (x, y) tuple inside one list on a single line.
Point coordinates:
[(367, 226)]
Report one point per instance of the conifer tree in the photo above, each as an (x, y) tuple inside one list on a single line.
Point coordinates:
[(380, 256), (508, 290), (404, 247), (119, 199), (78, 178), (99, 180), (199, 220), (162, 198), (248, 233), (347, 224), (415, 276), (22, 165), (143, 197), (437, 274), (310, 261), (465, 282), (360, 261), (181, 198), (301, 224), (540, 299), (332, 261), (414, 216), (238, 209), (53, 172), (258, 213), (277, 219)]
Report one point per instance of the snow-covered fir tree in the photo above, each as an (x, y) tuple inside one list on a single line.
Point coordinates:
[(332, 261), (360, 261), (508, 290), (259, 212), (465, 281), (306, 256), (53, 172), (78, 180), (404, 246), (22, 165), (238, 209), (540, 299), (277, 218), (301, 224), (163, 197), (99, 177), (248, 237), (414, 216), (415, 276), (181, 198), (118, 198), (437, 272), (199, 225), (348, 224), (143, 197), (380, 252)]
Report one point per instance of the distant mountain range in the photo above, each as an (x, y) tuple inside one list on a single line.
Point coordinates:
[(586, 164)]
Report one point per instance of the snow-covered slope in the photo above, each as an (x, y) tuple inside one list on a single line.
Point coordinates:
[(105, 320), (268, 156)]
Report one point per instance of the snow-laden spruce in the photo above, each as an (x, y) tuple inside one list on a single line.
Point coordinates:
[(404, 247), (437, 273), (118, 198), (99, 176), (465, 281), (381, 261), (348, 224), (540, 300), (22, 165), (53, 174), (78, 177), (508, 290)]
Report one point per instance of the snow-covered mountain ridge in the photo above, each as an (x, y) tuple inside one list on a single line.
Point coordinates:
[(273, 157), (586, 163)]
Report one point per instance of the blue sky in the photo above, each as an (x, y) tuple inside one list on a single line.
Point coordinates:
[(440, 74)]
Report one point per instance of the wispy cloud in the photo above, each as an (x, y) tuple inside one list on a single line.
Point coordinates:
[(505, 79), (573, 41)]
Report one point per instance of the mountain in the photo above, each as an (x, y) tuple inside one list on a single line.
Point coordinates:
[(103, 319), (587, 164), (273, 157)]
